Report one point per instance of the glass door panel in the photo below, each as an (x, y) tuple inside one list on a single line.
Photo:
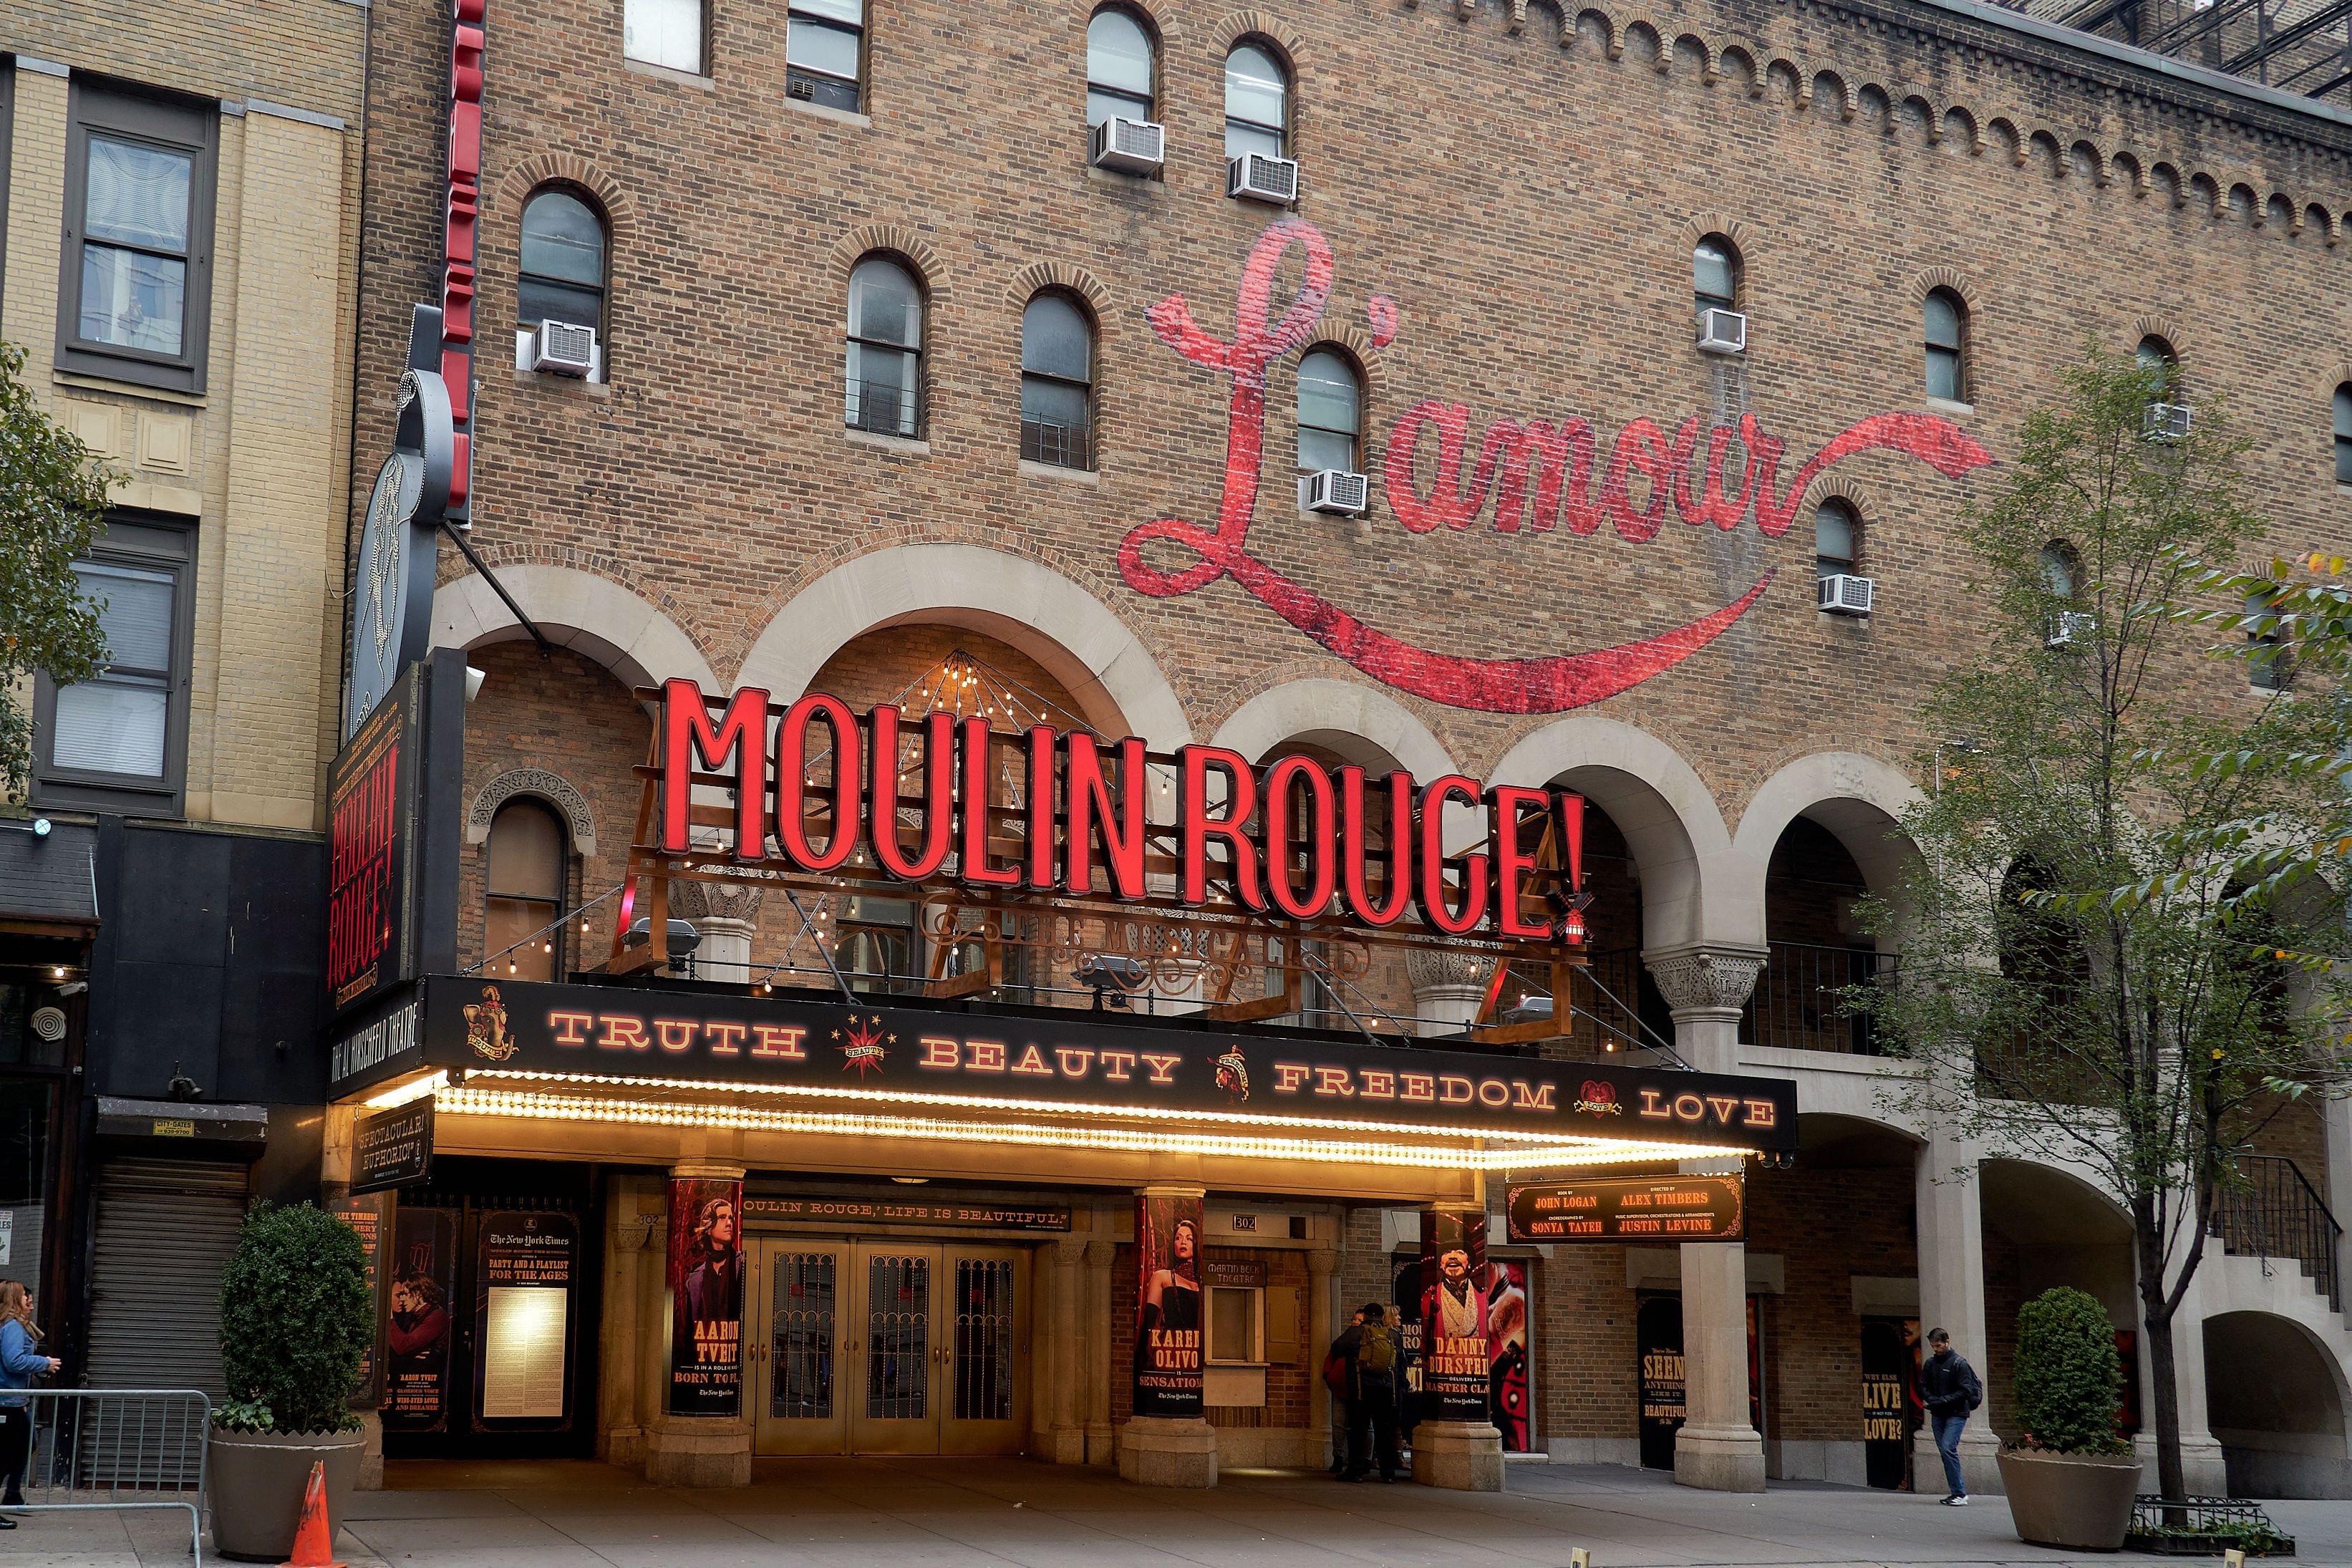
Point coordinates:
[(795, 1390), (896, 1413), (985, 1352)]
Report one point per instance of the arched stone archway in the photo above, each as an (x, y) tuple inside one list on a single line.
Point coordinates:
[(1113, 677), (1670, 820), (1860, 799), (592, 616), (2276, 1400), (2045, 1225), (1368, 727)]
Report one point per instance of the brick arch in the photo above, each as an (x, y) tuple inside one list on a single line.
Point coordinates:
[(1746, 239), (1063, 275), (2157, 325), (1158, 14), (568, 169), (1356, 344), (1839, 487), (2340, 376), (1927, 280), (900, 240), (537, 784), (1234, 25)]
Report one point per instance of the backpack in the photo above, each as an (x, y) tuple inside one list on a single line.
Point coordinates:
[(1376, 1352)]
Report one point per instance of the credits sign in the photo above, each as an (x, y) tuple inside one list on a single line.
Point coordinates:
[(1631, 1208)]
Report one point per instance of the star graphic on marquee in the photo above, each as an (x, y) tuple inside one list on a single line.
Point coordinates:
[(863, 1045)]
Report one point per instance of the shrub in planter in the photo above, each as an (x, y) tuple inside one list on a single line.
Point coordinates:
[(2071, 1479), (2069, 1378), (295, 1318)]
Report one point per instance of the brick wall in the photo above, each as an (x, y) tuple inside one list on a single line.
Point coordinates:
[(1827, 1225)]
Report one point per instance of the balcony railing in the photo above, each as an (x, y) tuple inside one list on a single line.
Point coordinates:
[(1800, 1002), (884, 408), (2274, 1211), (1057, 445)]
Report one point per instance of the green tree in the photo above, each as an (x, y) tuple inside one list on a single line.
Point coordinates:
[(2069, 1377), (295, 1318), (2145, 1040), (52, 502)]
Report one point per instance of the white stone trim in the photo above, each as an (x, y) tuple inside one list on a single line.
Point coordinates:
[(1860, 799), (1669, 819), (1118, 685), (1334, 713), (593, 616), (580, 817)]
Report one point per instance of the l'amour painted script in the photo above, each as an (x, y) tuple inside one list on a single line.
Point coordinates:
[(1551, 464)]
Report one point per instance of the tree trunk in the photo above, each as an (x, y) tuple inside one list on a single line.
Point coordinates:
[(2156, 1313)]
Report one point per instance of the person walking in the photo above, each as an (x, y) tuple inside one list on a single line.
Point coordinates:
[(1374, 1355), (1949, 1389), (1340, 1377), (20, 1363)]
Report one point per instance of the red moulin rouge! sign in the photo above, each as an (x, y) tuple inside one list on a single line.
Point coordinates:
[(1292, 838), (1536, 472)]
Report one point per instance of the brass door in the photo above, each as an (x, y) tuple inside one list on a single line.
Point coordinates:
[(876, 1347)]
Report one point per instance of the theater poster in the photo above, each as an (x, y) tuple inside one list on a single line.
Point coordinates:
[(368, 1215), (706, 1289), (424, 1266), (1456, 1370), (1167, 1304), (1510, 1363)]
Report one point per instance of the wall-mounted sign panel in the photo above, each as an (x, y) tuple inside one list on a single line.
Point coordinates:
[(1631, 1208)]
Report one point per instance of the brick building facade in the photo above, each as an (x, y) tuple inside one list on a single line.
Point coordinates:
[(1504, 214)]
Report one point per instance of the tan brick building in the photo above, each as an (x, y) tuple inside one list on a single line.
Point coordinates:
[(179, 205), (899, 394)]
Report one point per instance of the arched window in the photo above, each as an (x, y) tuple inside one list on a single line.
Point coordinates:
[(885, 392), (1057, 383), (2156, 355), (524, 879), (2047, 975), (2061, 572), (2268, 668), (1715, 274), (2343, 435), (1945, 320), (1120, 68), (824, 53), (1837, 539), (1257, 102), (561, 277), (1330, 413)]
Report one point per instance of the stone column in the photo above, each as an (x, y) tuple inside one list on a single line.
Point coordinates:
[(633, 1220), (1095, 1342), (334, 1182), (1719, 1448), (1166, 1450), (1951, 1297), (2200, 1452), (725, 915), (1448, 987), (1322, 1264), (1061, 1392), (696, 1450)]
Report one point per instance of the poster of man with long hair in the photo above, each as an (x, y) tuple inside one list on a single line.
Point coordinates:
[(1455, 1325), (706, 1289), (1167, 1304)]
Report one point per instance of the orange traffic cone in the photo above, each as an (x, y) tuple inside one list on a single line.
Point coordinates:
[(314, 1538)]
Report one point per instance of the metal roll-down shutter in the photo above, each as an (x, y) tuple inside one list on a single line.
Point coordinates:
[(165, 1229)]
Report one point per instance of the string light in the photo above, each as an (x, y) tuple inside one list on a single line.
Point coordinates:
[(1660, 1147), (472, 1101)]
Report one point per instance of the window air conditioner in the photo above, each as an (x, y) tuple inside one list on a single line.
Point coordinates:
[(1846, 596), (1129, 146), (1336, 490), (1722, 332), (2069, 628), (563, 349), (1260, 178), (2167, 421)]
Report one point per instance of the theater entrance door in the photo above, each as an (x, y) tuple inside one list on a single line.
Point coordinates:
[(888, 1347)]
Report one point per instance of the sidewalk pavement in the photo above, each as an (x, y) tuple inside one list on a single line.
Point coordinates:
[(916, 1513)]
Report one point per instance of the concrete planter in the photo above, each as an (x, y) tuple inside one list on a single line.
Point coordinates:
[(256, 1483), (2082, 1501)]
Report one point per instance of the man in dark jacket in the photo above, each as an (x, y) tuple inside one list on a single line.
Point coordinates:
[(1340, 1377), (1375, 1357), (1949, 1389)]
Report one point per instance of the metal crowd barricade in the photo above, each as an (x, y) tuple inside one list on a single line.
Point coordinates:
[(119, 1448)]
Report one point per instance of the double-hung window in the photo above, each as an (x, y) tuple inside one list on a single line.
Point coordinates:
[(117, 741), (136, 285), (824, 53)]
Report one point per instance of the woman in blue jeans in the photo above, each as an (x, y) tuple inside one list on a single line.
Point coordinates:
[(1949, 1389), (20, 1363)]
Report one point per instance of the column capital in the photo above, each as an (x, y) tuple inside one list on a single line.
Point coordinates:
[(1100, 1253), (1069, 1252), (1322, 1262), (705, 1171), (1702, 979)]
